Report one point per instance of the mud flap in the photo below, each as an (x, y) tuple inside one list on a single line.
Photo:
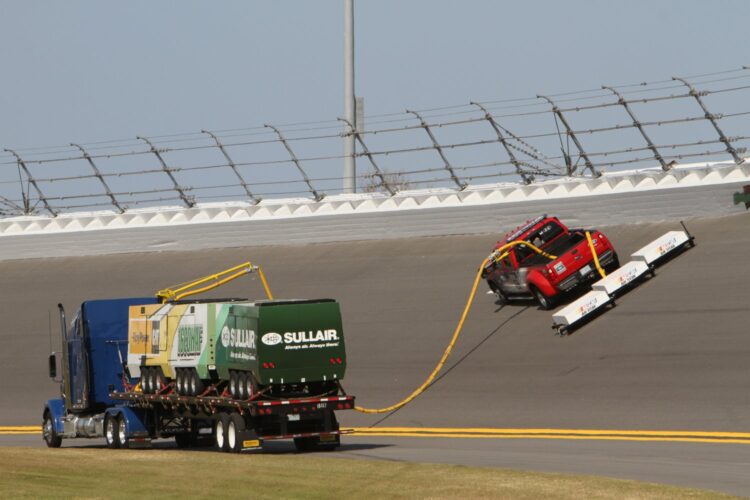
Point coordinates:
[(249, 440)]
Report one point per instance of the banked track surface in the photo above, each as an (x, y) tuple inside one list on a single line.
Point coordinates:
[(673, 355)]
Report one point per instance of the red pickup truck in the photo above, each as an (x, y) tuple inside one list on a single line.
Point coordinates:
[(521, 272)]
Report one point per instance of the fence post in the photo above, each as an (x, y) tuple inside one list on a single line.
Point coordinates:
[(572, 135), (232, 165), (439, 149), (621, 100), (712, 118), (315, 194), (99, 176), (26, 204), (366, 152), (487, 116), (189, 202)]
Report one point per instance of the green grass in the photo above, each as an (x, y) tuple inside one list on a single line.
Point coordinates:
[(101, 473)]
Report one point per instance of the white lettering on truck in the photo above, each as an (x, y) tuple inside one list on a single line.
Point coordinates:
[(273, 338), (236, 337)]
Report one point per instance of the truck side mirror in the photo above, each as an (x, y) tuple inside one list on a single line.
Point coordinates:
[(52, 365)]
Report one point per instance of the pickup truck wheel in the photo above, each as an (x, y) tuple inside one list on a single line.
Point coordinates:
[(49, 433), (122, 432), (545, 302), (110, 432), (502, 299)]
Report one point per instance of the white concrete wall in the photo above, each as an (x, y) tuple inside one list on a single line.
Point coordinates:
[(624, 197)]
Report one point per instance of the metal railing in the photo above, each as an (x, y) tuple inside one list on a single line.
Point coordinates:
[(582, 133)]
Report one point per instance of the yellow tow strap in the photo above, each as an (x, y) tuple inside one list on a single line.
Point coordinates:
[(496, 256), (596, 257)]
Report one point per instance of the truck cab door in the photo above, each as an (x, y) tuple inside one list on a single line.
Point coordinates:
[(510, 275), (78, 369)]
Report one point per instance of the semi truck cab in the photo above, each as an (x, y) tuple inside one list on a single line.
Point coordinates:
[(91, 367)]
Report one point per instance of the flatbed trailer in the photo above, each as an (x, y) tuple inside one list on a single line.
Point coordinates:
[(229, 424)]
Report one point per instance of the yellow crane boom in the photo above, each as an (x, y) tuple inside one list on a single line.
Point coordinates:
[(206, 283)]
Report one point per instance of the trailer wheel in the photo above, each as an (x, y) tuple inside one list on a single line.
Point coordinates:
[(236, 425), (111, 434), (545, 302), (221, 432), (122, 432), (49, 433)]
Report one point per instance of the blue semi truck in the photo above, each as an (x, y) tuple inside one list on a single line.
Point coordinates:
[(99, 398)]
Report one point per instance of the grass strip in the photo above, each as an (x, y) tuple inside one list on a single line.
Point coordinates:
[(101, 473)]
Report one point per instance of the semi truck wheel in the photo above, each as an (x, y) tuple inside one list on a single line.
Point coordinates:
[(221, 432), (235, 426), (111, 434), (122, 432), (49, 433)]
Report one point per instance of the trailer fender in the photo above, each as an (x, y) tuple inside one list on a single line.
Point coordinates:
[(56, 408)]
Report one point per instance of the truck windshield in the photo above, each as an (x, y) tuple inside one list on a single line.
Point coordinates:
[(540, 238)]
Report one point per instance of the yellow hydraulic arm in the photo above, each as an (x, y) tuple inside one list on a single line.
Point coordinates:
[(210, 282)]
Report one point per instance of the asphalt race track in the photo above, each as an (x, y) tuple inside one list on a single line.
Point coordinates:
[(672, 355)]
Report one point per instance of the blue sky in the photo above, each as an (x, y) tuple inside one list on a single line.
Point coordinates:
[(92, 70), (89, 71)]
